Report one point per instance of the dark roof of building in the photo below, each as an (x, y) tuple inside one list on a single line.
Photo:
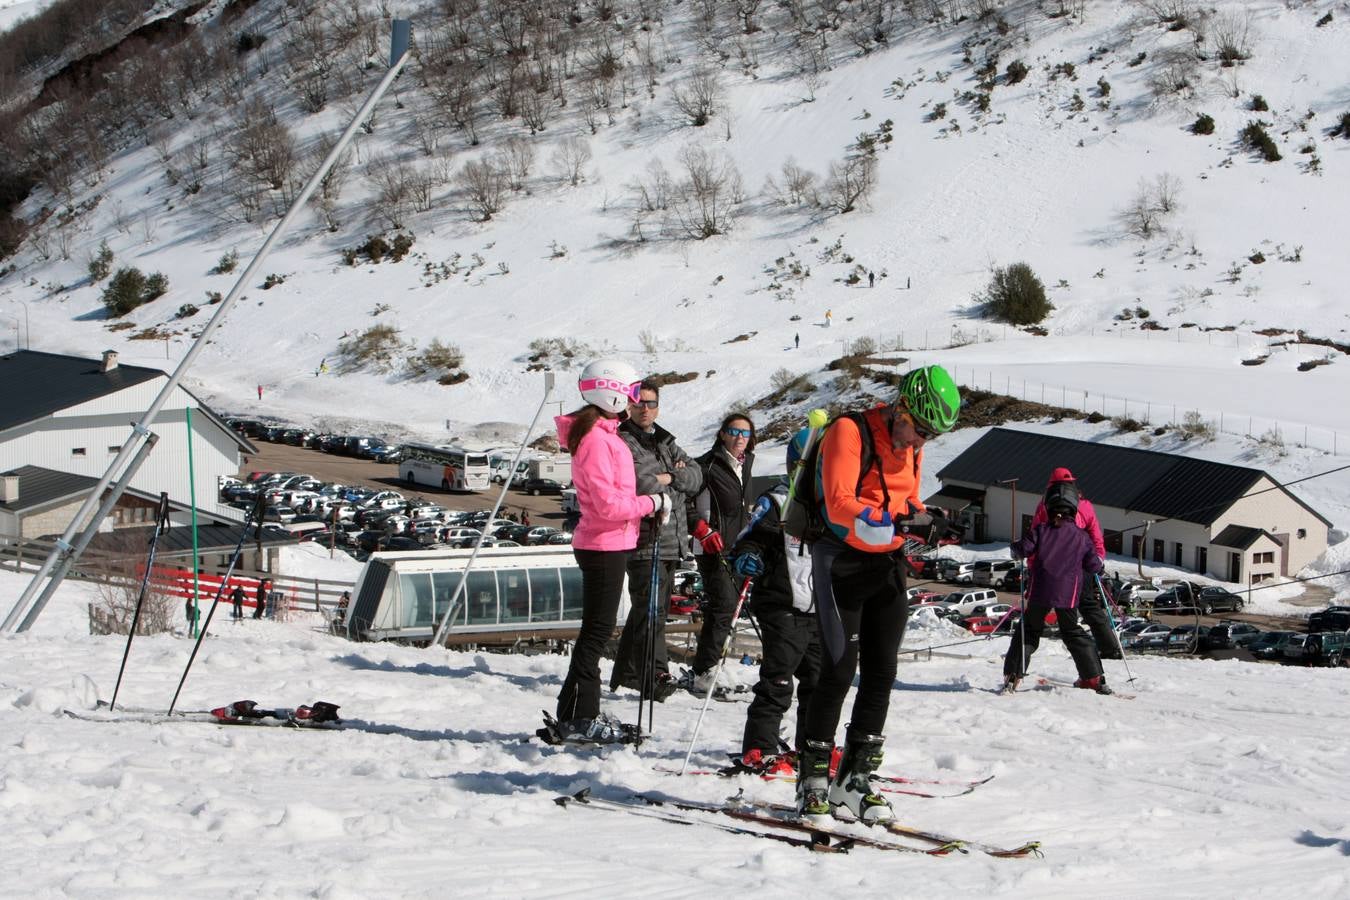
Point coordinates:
[(1166, 485), (1239, 537), (53, 382), (39, 486), (178, 539)]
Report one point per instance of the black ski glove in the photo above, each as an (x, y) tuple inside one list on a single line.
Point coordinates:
[(929, 527)]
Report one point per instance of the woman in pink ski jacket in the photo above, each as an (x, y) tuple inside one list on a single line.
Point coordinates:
[(606, 486)]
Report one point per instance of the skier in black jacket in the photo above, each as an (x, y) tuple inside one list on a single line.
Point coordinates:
[(661, 467), (783, 605), (721, 511)]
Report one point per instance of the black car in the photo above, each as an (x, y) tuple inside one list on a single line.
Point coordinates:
[(1333, 618), (537, 486), (1270, 644), (1216, 599)]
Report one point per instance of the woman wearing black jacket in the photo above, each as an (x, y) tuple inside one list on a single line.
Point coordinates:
[(721, 511)]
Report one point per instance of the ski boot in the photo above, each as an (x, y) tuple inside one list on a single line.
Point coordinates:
[(852, 786), (603, 729), (766, 765), (813, 780), (1095, 683), (1010, 683)]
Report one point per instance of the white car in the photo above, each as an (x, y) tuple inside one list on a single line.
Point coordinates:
[(426, 512)]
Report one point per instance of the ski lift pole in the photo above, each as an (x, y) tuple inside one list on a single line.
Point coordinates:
[(220, 592), (443, 628), (68, 562), (717, 673), (141, 429), (161, 525)]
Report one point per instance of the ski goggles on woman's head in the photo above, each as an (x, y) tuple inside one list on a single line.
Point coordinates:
[(632, 391), (736, 432)]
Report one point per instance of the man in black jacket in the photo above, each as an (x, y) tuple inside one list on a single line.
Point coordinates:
[(721, 511), (661, 468)]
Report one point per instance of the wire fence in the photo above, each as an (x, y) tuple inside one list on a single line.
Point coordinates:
[(1134, 414)]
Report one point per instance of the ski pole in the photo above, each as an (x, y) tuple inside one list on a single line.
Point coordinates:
[(161, 523), (647, 678), (220, 591), (717, 673), (1129, 676)]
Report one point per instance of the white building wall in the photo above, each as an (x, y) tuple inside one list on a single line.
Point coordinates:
[(101, 426), (1276, 512)]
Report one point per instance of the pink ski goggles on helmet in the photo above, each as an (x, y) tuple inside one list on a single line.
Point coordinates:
[(632, 391)]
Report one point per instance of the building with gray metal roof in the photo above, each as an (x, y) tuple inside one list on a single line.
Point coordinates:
[(1231, 522)]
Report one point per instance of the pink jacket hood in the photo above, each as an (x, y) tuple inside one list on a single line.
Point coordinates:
[(606, 486)]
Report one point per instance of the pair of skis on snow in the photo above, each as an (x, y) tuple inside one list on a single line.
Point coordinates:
[(779, 822), (320, 715)]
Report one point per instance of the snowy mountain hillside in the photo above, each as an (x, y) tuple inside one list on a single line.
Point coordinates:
[(1049, 174)]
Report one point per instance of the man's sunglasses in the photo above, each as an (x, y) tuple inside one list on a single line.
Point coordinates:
[(923, 433), (647, 404), (736, 432)]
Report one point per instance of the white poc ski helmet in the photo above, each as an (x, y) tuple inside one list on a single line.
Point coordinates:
[(610, 384)]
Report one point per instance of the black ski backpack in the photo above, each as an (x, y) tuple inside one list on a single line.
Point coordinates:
[(1062, 497), (802, 518)]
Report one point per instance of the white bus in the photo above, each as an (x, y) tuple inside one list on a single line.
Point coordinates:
[(453, 468)]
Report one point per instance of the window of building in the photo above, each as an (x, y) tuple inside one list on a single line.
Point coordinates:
[(77, 451), (1176, 553), (1202, 559), (1158, 550), (1267, 558), (1257, 579), (113, 448), (1303, 532)]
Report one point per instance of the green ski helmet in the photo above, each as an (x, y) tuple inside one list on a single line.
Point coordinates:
[(930, 395)]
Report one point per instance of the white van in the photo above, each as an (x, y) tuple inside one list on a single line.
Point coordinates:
[(966, 601), (307, 531)]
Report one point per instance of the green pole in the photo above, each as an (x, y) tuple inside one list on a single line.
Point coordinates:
[(192, 498)]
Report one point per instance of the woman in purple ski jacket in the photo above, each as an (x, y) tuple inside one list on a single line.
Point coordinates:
[(1059, 551)]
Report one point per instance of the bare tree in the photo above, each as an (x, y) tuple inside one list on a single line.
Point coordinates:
[(850, 182), (570, 157), (484, 186), (798, 187), (699, 96), (263, 148), (705, 200), (1167, 192), (393, 189), (515, 160), (746, 11), (536, 109), (1231, 34), (653, 192), (310, 59)]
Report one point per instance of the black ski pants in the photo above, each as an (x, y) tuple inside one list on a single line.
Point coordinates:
[(719, 612), (631, 661), (861, 609), (791, 644), (1096, 618), (1076, 640), (602, 573)]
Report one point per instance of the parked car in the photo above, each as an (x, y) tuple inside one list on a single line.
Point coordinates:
[(1135, 632), (538, 535), (283, 514), (537, 486), (1184, 639), (1333, 618), (1213, 599), (921, 595), (955, 572), (1227, 635), (1291, 649), (1269, 644), (981, 624), (1317, 649), (993, 572), (966, 601), (937, 608)]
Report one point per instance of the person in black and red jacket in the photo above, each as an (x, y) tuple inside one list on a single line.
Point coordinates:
[(721, 511)]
